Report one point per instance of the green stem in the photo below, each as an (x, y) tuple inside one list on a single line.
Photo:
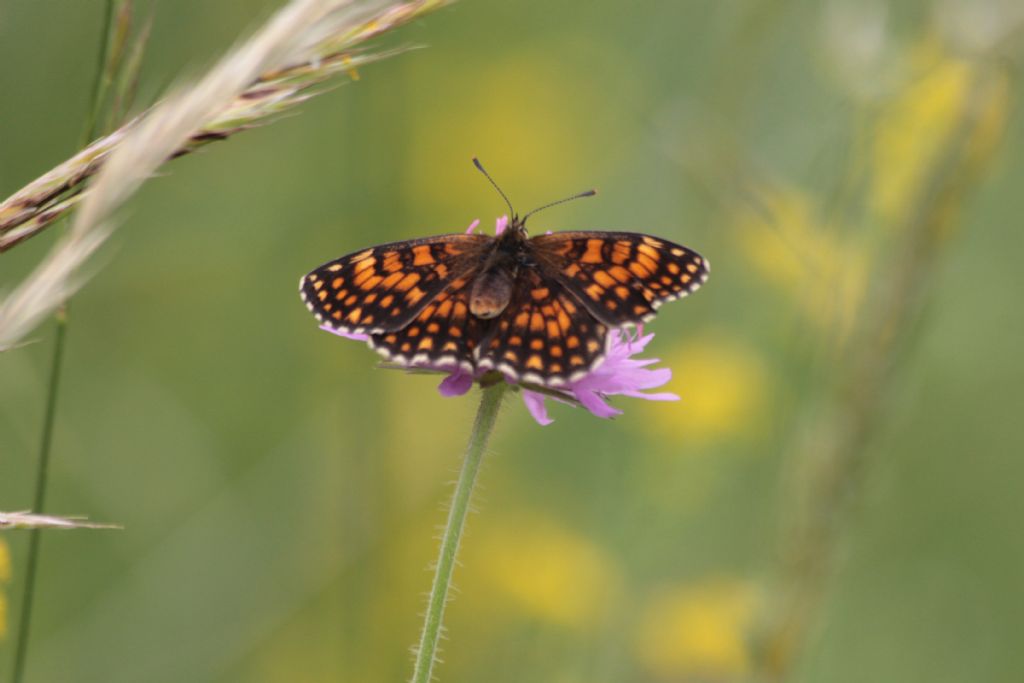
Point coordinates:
[(39, 500), (101, 84), (53, 390), (486, 415)]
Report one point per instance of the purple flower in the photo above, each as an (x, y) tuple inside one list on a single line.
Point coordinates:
[(618, 374)]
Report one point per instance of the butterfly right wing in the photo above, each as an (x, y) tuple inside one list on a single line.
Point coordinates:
[(382, 289), (621, 277)]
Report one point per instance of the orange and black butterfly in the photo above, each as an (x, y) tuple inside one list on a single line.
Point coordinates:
[(537, 309)]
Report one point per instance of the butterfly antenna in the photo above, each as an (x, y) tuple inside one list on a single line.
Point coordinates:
[(480, 167), (588, 193)]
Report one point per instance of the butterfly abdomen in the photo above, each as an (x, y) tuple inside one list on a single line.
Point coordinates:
[(491, 293)]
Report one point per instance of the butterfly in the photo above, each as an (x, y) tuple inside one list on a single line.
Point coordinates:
[(537, 309)]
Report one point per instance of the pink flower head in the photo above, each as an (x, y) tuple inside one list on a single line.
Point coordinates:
[(618, 374)]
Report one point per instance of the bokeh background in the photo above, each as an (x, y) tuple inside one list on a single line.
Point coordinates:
[(281, 495)]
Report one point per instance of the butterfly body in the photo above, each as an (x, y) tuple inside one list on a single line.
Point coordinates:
[(493, 286), (537, 309)]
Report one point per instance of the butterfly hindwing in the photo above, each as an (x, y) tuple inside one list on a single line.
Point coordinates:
[(544, 336), (621, 277), (383, 288), (442, 335)]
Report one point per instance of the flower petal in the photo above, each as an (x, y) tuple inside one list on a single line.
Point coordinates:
[(663, 396), (472, 226), (593, 402), (648, 379), (456, 384), (535, 404), (347, 335)]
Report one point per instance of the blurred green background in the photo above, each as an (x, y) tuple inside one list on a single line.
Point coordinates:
[(281, 496)]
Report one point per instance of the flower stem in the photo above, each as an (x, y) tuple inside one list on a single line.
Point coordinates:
[(486, 415)]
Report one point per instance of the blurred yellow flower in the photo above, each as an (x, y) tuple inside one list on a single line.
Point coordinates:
[(543, 569), (792, 247), (915, 129), (698, 631), (5, 576), (722, 384)]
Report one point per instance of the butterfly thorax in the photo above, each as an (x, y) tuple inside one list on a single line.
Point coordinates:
[(493, 287)]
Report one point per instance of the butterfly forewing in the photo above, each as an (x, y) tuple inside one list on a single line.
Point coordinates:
[(621, 277), (544, 336), (383, 288)]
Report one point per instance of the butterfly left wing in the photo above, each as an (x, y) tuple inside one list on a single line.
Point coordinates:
[(443, 335), (382, 289), (621, 277)]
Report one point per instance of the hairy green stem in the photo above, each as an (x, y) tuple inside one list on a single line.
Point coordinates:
[(486, 415)]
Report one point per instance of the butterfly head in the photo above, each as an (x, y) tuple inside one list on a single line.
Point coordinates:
[(516, 228)]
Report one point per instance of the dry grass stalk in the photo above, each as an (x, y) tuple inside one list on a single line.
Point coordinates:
[(44, 200), (27, 520), (306, 43)]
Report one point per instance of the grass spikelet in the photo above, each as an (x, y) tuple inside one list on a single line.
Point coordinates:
[(28, 520)]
